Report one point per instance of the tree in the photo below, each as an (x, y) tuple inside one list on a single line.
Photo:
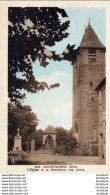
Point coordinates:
[(61, 135), (71, 131), (38, 136), (30, 31), (65, 142), (23, 118)]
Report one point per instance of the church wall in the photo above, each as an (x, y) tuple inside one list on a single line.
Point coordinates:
[(102, 121), (103, 98), (88, 126), (86, 76)]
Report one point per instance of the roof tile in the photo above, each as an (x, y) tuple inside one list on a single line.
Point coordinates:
[(90, 39)]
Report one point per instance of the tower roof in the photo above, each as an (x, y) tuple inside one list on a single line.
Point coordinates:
[(90, 39)]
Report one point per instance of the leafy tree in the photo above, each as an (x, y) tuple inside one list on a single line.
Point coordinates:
[(50, 128), (38, 136), (71, 131), (65, 141), (10, 142), (61, 135), (30, 31), (23, 118)]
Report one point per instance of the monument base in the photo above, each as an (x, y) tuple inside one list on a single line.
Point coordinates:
[(15, 149)]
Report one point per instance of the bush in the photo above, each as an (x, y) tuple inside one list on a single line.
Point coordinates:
[(65, 142), (64, 150), (67, 148), (38, 136), (85, 149), (95, 151), (10, 142), (60, 149), (78, 152), (24, 147), (69, 151)]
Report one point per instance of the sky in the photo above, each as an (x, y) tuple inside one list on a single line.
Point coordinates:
[(54, 107)]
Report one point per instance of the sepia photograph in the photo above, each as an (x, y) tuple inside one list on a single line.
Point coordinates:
[(56, 86)]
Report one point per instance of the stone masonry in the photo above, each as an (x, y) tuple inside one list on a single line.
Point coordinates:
[(88, 71)]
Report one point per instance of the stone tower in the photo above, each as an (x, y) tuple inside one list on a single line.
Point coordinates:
[(88, 71)]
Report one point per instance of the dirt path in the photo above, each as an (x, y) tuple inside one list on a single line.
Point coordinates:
[(59, 159)]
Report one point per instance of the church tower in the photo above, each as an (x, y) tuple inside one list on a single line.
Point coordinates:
[(88, 71)]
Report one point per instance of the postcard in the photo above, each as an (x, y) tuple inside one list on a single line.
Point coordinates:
[(54, 87)]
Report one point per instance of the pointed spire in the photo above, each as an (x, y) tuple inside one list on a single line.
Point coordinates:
[(90, 39)]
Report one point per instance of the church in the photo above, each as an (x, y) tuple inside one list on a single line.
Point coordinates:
[(88, 74)]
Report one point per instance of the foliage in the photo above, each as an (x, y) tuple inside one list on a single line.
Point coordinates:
[(10, 142), (23, 118), (61, 135), (50, 128), (38, 136), (65, 142), (95, 150), (30, 31), (71, 132), (84, 149), (81, 152)]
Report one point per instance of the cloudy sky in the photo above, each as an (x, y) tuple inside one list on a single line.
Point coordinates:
[(54, 107)]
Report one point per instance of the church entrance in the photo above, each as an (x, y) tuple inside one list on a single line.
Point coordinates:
[(49, 142)]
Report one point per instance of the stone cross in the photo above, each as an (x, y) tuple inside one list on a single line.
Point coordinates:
[(89, 19), (17, 142), (18, 131)]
